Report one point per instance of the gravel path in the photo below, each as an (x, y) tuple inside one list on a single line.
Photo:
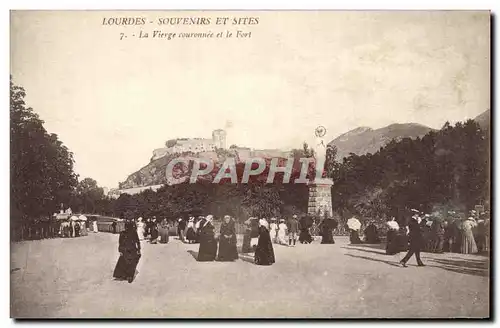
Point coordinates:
[(72, 278)]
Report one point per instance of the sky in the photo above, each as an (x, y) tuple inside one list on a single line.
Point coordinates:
[(112, 102)]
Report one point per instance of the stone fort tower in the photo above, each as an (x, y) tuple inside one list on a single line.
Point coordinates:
[(219, 138)]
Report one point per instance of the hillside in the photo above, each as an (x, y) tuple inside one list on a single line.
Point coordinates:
[(365, 140), (484, 119)]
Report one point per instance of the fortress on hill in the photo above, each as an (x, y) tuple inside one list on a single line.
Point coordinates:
[(195, 145), (151, 176)]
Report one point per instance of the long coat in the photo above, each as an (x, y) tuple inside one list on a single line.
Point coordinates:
[(417, 241), (227, 242), (208, 244), (130, 247)]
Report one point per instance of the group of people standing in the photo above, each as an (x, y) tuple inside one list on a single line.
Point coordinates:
[(223, 250), (153, 230), (467, 236)]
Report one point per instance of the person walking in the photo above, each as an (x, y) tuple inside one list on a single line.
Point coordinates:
[(264, 253), (416, 241), (129, 248)]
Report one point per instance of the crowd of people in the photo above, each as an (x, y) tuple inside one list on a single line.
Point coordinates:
[(258, 238)]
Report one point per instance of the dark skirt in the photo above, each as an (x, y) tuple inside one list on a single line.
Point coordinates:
[(354, 237), (227, 249), (163, 235), (327, 237), (305, 237), (264, 253), (126, 265), (393, 243), (207, 250), (191, 234)]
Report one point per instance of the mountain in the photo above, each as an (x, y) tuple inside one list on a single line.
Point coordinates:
[(484, 119), (365, 140)]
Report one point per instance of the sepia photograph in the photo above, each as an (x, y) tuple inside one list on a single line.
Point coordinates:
[(271, 164)]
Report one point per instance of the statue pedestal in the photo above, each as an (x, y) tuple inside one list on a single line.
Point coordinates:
[(320, 198)]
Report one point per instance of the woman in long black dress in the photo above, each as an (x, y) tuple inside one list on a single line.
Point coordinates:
[(129, 247), (264, 253), (227, 241), (326, 227), (371, 234), (208, 244), (154, 231), (305, 224)]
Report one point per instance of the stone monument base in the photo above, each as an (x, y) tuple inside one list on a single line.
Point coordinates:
[(320, 198)]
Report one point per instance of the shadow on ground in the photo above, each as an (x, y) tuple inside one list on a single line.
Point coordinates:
[(469, 266), (246, 257), (193, 254), (361, 249), (391, 263)]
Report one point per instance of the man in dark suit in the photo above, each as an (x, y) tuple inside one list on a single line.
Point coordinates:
[(416, 241)]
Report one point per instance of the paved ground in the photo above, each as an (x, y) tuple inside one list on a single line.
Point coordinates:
[(72, 278)]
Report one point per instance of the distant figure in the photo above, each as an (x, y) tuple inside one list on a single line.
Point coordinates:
[(77, 229), (282, 230), (371, 234), (305, 223), (83, 228), (208, 244), (199, 222), (326, 229), (227, 241), (191, 232), (456, 235), (129, 248), (251, 233), (180, 229), (94, 225), (273, 230), (293, 229), (354, 225), (416, 241), (438, 230), (468, 243), (140, 229), (154, 231), (163, 230), (264, 253), (393, 244)]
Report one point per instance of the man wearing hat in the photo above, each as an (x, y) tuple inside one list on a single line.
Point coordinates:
[(293, 229), (416, 241)]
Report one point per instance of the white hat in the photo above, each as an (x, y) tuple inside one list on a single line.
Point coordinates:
[(264, 223), (294, 216)]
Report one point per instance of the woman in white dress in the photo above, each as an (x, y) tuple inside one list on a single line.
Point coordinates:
[(282, 228), (140, 229), (273, 230), (94, 226), (468, 243)]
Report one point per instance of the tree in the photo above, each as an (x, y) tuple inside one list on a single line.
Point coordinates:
[(42, 174), (88, 195)]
